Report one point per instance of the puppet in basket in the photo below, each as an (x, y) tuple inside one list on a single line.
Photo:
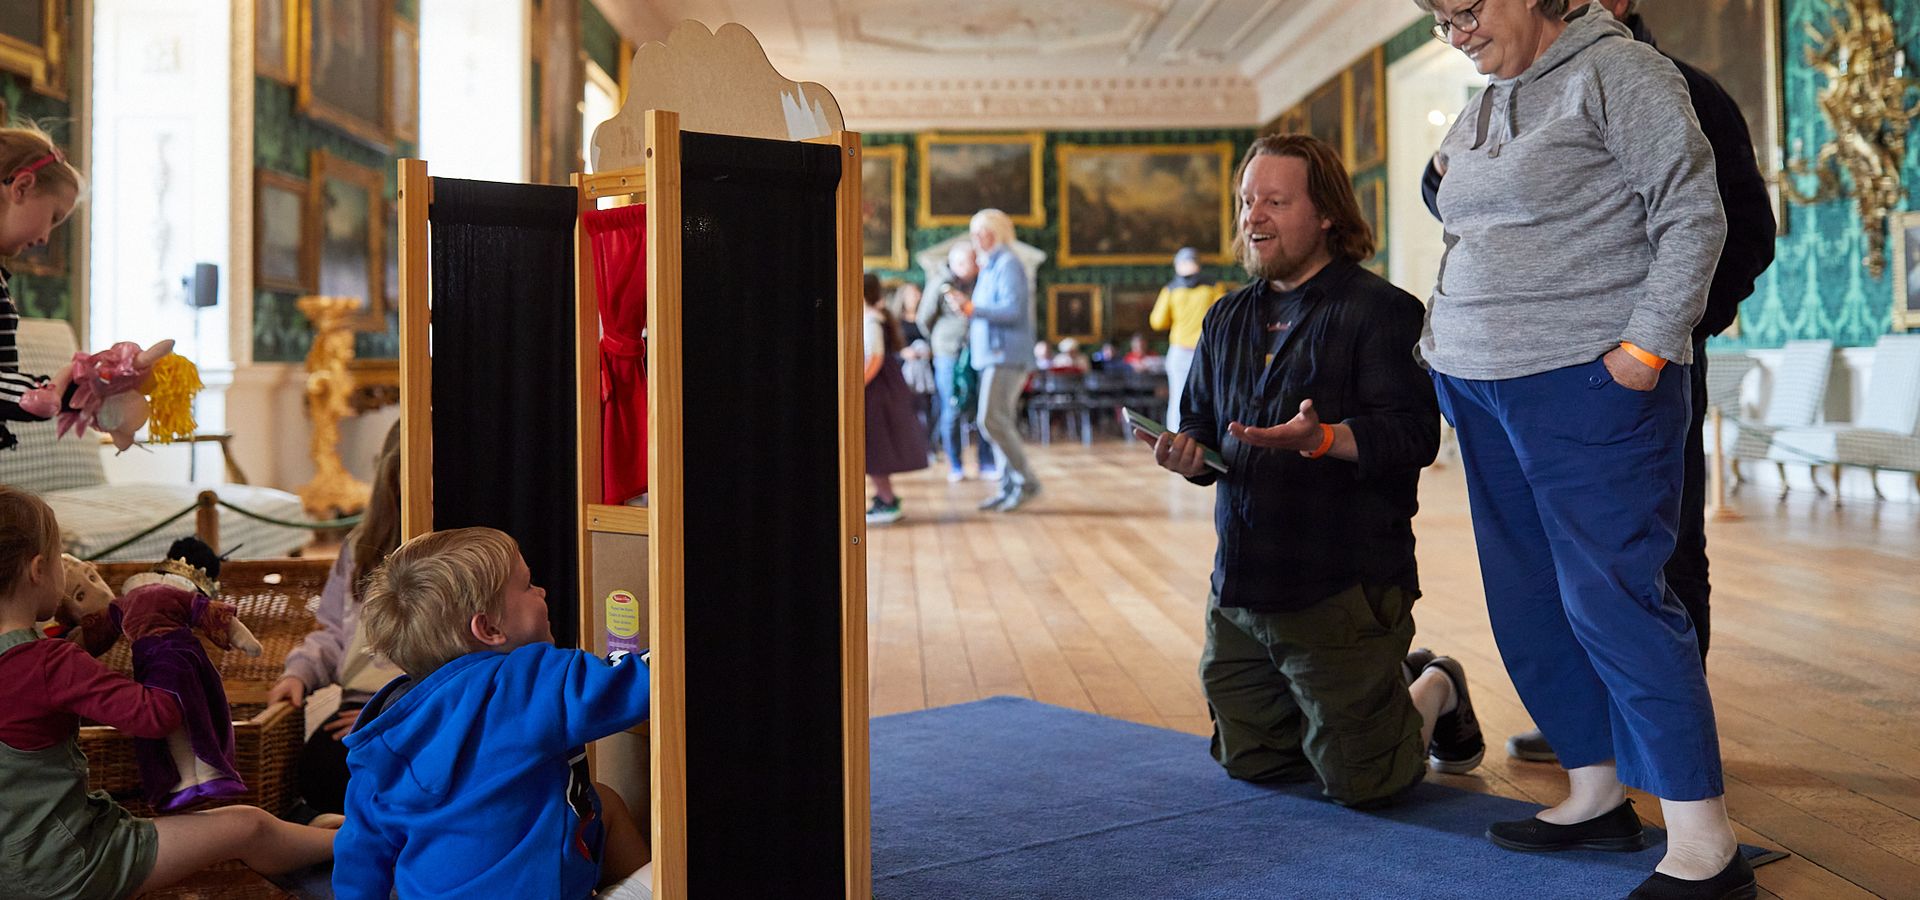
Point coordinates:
[(164, 613)]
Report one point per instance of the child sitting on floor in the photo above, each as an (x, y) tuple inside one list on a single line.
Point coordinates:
[(61, 840), (468, 773)]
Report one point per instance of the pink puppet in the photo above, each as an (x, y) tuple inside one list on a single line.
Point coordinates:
[(117, 390)]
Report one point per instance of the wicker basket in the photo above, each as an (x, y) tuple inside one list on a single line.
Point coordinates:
[(276, 598)]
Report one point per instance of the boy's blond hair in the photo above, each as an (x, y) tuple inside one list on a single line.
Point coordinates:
[(420, 603)]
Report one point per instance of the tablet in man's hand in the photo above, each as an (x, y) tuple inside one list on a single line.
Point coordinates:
[(1156, 429)]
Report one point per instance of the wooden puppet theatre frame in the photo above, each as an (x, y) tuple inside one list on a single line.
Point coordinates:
[(662, 402)]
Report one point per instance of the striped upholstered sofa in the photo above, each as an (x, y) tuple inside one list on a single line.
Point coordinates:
[(96, 515)]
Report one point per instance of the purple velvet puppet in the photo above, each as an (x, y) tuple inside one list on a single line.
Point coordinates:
[(160, 612)]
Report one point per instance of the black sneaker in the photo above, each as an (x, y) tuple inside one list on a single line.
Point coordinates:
[(883, 513), (1618, 831), (1457, 744), (1735, 882), (1417, 661), (1531, 746)]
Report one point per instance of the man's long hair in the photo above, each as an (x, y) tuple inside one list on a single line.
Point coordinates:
[(1328, 187)]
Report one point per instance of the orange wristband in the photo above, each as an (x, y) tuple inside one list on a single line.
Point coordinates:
[(1655, 362), (1326, 441)]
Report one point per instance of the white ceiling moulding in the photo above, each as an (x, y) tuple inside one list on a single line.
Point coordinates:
[(909, 104), (1313, 41)]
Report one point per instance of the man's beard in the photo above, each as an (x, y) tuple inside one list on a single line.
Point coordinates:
[(1265, 270)]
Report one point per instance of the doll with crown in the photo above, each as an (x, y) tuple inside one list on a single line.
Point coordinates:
[(163, 612)]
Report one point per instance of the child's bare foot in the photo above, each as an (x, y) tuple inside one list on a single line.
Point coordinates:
[(329, 821)]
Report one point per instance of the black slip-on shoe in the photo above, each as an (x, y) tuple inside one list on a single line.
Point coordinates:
[(1531, 746), (1417, 660), (1735, 882), (1457, 746), (1617, 831)]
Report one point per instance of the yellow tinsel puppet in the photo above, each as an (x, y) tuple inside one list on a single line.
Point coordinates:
[(120, 389)]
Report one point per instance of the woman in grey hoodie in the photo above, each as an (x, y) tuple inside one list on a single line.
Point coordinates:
[(1582, 225)]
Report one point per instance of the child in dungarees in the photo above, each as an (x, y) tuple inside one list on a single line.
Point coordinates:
[(57, 840)]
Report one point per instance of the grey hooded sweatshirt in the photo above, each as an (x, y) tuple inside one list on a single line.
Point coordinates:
[(1580, 210)]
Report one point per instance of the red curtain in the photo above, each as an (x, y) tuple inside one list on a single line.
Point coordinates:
[(619, 239)]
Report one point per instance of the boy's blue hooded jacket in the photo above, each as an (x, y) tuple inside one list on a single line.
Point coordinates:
[(473, 781)]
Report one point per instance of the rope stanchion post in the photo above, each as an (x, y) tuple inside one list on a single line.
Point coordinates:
[(206, 519)]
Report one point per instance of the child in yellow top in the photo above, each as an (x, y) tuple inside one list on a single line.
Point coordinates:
[(1180, 309)]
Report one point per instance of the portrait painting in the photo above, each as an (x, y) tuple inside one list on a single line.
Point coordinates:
[(1906, 271), (273, 23), (1738, 43), (1293, 121), (1138, 204), (280, 252), (1073, 311), (1327, 114), (883, 214), (32, 43), (1367, 123), (390, 248), (345, 212), (345, 66), (1132, 308), (961, 174)]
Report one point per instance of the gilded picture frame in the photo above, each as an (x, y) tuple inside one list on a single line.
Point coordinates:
[(1906, 271), (33, 44), (283, 249), (345, 67), (1138, 204), (345, 209), (275, 25), (1073, 311), (961, 174), (1366, 112), (883, 207), (1371, 196), (403, 108)]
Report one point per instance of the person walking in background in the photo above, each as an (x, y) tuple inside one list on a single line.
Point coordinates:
[(1749, 250), (1583, 227), (940, 319), (1179, 310), (896, 441), (1001, 310)]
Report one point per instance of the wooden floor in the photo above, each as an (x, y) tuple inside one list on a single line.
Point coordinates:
[(1092, 599)]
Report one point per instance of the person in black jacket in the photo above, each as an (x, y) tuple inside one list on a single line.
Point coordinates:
[(1748, 252), (1305, 380)]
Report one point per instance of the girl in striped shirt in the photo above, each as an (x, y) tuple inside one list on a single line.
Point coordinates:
[(38, 189)]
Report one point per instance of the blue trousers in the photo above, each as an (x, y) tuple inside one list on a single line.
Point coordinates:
[(1574, 483)]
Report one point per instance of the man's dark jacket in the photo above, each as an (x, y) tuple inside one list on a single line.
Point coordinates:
[(1294, 531), (1743, 192)]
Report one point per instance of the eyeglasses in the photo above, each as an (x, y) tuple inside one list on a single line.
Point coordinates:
[(1466, 20)]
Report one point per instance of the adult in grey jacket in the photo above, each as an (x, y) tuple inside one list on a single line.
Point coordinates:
[(1583, 225), (1001, 331)]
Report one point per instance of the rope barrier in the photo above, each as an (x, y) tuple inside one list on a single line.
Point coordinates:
[(343, 522)]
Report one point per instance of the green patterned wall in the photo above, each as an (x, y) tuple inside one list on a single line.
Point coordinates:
[(598, 38), (1818, 286), (282, 142), (46, 296), (1047, 237)]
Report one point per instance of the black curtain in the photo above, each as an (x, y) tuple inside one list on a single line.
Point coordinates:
[(761, 300), (504, 452)]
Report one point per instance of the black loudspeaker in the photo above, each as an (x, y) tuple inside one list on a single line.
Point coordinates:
[(203, 286)]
